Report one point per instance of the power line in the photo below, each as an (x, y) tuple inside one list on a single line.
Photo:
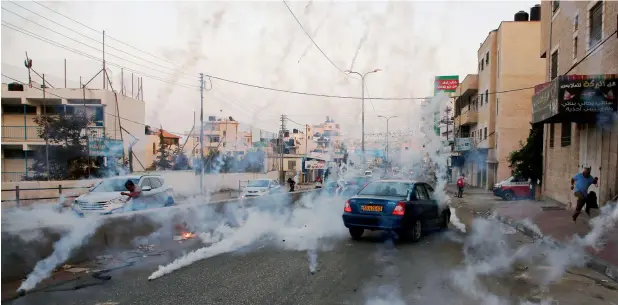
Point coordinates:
[(95, 48), (81, 34), (112, 38), (28, 33), (313, 41)]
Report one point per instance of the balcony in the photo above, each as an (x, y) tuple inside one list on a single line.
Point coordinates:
[(31, 133), (468, 118)]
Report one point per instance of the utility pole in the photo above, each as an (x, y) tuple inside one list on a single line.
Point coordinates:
[(202, 133), (281, 134), (104, 71), (363, 109), (387, 135)]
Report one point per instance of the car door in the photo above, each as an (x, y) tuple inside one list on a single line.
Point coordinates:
[(421, 201), (157, 193), (434, 207)]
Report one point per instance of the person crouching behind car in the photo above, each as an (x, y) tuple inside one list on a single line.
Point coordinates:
[(134, 192)]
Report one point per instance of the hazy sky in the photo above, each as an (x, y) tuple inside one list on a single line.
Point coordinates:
[(258, 42)]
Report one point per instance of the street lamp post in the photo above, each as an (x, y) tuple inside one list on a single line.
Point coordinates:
[(363, 108), (387, 119)]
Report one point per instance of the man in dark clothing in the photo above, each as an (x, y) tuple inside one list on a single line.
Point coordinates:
[(580, 184), (292, 184)]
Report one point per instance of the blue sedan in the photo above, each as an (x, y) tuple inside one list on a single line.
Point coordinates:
[(405, 207)]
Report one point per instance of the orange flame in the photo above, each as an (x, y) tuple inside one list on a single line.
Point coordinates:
[(187, 235)]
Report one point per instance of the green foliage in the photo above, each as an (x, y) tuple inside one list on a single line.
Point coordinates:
[(528, 160), (67, 136)]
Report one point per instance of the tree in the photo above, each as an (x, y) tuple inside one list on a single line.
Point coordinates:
[(67, 136), (181, 161), (528, 160), (163, 160)]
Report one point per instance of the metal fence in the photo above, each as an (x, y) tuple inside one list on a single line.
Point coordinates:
[(60, 188)]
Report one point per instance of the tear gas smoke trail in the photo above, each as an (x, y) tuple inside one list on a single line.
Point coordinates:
[(456, 222), (313, 219), (79, 233), (313, 260)]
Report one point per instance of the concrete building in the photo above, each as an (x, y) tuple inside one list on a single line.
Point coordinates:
[(152, 141), (577, 105), (22, 104), (494, 124), (220, 134)]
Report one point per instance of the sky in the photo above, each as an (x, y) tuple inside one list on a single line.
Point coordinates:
[(260, 43)]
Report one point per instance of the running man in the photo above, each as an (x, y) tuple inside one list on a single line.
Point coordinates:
[(580, 184)]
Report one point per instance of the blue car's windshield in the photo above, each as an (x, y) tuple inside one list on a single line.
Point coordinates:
[(113, 185), (382, 188)]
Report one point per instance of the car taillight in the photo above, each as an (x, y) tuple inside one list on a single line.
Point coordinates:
[(400, 209), (347, 208)]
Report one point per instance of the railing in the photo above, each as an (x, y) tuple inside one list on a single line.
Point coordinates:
[(18, 200), (21, 132), (32, 132)]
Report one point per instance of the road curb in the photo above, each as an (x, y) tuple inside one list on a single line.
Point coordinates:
[(592, 262)]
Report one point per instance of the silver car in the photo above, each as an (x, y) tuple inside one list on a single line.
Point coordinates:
[(105, 197)]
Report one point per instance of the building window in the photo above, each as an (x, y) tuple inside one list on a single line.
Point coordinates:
[(565, 135), (576, 23), (555, 5), (554, 64), (292, 165), (596, 24), (154, 148), (551, 135), (487, 58), (497, 102), (485, 133), (487, 96), (482, 65)]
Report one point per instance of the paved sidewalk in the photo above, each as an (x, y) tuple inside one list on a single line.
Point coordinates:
[(555, 222)]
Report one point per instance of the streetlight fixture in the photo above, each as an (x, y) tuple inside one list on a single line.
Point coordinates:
[(363, 107), (387, 119)]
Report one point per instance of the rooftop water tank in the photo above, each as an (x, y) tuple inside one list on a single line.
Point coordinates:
[(521, 16), (535, 13)]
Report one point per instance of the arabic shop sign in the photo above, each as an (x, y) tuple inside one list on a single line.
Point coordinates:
[(576, 98), (463, 144), (447, 83), (103, 147), (591, 95), (315, 164)]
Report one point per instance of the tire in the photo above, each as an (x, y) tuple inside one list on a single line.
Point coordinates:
[(356, 233), (508, 196), (416, 233), (446, 218)]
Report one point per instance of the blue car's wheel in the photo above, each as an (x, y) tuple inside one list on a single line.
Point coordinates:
[(416, 231), (356, 233)]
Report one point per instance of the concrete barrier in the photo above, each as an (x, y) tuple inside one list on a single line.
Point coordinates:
[(118, 232)]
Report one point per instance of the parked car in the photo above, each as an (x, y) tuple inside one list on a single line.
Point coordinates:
[(512, 188), (261, 187), (406, 207), (105, 198)]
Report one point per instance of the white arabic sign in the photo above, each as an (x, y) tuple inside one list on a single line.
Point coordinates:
[(314, 164)]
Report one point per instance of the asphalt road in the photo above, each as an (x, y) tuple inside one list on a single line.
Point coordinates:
[(372, 272)]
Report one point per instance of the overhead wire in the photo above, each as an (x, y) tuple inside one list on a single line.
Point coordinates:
[(77, 32), (28, 33), (98, 31), (87, 45), (263, 87), (313, 41)]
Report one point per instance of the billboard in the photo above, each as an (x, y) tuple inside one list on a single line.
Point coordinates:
[(446, 83), (103, 147), (315, 164)]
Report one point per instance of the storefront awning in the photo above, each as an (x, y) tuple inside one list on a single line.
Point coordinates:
[(575, 98)]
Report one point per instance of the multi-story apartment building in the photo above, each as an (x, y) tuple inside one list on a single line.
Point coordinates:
[(220, 134), (490, 111), (20, 136), (577, 104)]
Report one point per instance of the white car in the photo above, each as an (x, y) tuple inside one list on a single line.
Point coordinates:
[(105, 198), (261, 187)]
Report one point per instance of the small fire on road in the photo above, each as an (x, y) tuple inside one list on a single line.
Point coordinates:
[(187, 235)]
